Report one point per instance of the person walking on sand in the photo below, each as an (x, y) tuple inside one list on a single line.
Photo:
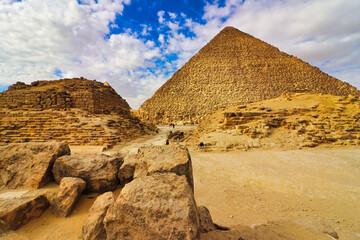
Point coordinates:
[(167, 142), (173, 125)]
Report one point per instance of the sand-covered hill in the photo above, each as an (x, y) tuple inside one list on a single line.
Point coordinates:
[(292, 121), (235, 68), (75, 111)]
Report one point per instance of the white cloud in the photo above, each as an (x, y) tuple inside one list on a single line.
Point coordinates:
[(161, 16), (40, 36), (172, 15)]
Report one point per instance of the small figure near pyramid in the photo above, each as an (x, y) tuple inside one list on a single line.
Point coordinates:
[(235, 68)]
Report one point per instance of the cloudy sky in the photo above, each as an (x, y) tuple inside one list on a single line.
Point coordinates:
[(136, 45)]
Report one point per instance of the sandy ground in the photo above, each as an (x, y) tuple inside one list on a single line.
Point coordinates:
[(288, 191), (305, 186)]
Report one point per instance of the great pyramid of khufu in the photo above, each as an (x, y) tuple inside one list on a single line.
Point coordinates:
[(235, 68)]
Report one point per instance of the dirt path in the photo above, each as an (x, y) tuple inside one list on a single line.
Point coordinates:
[(307, 187)]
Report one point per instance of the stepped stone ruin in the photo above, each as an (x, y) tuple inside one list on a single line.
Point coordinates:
[(76, 111), (232, 69), (295, 120), (81, 93)]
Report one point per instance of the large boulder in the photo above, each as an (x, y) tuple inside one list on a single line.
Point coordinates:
[(99, 171), (160, 206), (157, 159), (69, 192), (29, 164), (93, 228), (18, 208)]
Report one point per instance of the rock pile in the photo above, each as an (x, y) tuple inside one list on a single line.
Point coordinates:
[(235, 68), (157, 201), (293, 121)]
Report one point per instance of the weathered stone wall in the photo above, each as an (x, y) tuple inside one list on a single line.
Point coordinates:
[(232, 69), (74, 126), (80, 93), (292, 121)]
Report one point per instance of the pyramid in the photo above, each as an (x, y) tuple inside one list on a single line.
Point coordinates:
[(232, 69), (76, 111)]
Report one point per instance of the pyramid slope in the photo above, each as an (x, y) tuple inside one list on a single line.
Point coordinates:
[(235, 68)]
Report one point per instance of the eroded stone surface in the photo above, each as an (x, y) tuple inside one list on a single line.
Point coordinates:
[(69, 192), (99, 171), (157, 159), (19, 208), (28, 164), (93, 228), (160, 206)]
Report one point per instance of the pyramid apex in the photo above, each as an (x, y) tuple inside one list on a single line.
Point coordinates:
[(230, 29)]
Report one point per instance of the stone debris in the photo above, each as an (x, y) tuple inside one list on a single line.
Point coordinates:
[(99, 171), (309, 120), (19, 208), (157, 159), (29, 164), (69, 192), (160, 206), (232, 69), (93, 228)]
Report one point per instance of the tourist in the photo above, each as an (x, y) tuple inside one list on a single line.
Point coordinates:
[(201, 145), (167, 142)]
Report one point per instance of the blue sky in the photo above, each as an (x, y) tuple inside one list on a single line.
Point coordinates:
[(136, 45)]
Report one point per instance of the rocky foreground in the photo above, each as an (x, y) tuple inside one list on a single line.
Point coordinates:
[(156, 200), (251, 195)]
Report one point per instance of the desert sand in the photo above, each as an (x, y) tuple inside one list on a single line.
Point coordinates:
[(297, 194)]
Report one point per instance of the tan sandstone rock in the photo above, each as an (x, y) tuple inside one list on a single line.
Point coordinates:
[(93, 228), (99, 171), (160, 206), (69, 192), (157, 159), (206, 222), (19, 208), (28, 164)]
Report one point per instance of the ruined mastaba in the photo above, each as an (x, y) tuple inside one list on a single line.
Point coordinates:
[(92, 96), (235, 68), (76, 111)]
